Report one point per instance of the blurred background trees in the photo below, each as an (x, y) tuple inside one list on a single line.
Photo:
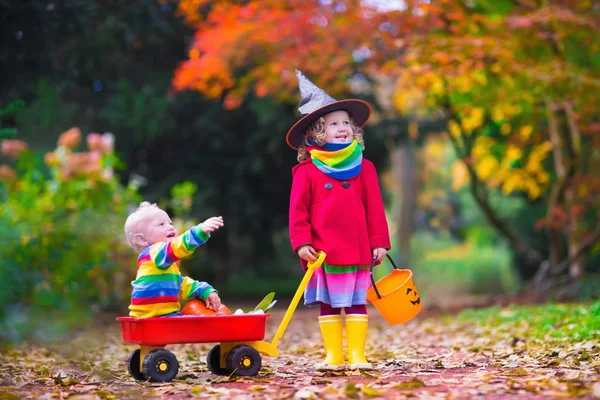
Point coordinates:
[(485, 136)]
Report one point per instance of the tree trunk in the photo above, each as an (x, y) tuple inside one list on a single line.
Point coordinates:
[(403, 171)]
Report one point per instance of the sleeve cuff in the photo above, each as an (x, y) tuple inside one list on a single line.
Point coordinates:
[(205, 293), (380, 241), (301, 239), (200, 233)]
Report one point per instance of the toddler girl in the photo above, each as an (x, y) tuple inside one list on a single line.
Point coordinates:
[(336, 207)]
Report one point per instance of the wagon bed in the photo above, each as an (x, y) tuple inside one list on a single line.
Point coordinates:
[(160, 331)]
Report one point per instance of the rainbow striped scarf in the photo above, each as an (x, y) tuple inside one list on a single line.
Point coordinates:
[(337, 160)]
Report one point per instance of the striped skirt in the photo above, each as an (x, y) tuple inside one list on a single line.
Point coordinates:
[(338, 286)]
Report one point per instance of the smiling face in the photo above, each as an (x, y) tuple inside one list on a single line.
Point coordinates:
[(413, 296), (154, 226), (338, 128)]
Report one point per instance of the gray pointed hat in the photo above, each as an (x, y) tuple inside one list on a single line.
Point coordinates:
[(315, 103)]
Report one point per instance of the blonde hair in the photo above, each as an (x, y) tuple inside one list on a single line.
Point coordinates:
[(316, 134), (131, 224)]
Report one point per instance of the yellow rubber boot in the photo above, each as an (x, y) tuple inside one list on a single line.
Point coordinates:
[(331, 329), (356, 333)]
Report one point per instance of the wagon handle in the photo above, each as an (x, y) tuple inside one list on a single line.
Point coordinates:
[(371, 273), (312, 265)]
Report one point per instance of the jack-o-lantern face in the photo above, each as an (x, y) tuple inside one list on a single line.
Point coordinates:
[(413, 293)]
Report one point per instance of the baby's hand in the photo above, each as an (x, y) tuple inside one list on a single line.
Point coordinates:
[(213, 301), (212, 224)]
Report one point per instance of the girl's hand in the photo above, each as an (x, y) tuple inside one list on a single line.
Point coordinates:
[(212, 224), (213, 301), (307, 253), (379, 253)]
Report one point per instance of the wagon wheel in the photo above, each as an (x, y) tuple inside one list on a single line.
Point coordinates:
[(243, 361), (214, 361), (160, 366), (133, 366)]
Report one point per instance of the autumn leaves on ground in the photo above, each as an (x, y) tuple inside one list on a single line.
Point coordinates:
[(516, 352)]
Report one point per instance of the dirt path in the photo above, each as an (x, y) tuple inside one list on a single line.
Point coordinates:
[(426, 358)]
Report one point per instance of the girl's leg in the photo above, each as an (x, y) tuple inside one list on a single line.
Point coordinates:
[(358, 309), (330, 322), (326, 309), (357, 322)]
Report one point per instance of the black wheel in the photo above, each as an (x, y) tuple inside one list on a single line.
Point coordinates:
[(133, 366), (244, 361), (214, 362), (160, 366)]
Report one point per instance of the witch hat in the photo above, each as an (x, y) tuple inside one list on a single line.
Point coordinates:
[(315, 103)]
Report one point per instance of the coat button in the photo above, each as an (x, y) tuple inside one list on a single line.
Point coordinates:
[(346, 184), (328, 186)]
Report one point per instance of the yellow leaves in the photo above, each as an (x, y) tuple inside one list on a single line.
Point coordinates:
[(514, 182), (513, 153), (463, 84), (431, 82), (497, 114), (525, 132), (482, 146), (504, 171), (505, 129), (473, 121), (454, 129), (368, 391), (416, 88), (480, 78), (412, 384), (517, 372), (486, 167), (537, 155), (353, 391), (407, 100)]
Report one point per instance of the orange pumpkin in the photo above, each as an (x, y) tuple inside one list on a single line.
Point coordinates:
[(198, 307)]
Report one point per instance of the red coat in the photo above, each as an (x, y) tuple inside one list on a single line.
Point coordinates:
[(344, 218)]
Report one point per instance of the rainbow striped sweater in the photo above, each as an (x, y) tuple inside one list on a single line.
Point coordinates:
[(159, 285)]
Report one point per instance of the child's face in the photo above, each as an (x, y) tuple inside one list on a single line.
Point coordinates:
[(156, 227), (338, 128)]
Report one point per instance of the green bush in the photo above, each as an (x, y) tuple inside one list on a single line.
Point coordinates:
[(62, 246)]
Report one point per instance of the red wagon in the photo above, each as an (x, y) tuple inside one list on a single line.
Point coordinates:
[(240, 337)]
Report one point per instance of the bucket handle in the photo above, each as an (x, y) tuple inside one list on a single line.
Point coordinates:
[(373, 278)]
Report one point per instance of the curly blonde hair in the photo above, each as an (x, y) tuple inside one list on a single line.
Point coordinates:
[(131, 224), (316, 133)]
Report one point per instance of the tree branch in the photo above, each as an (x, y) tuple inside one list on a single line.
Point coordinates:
[(585, 245), (481, 197)]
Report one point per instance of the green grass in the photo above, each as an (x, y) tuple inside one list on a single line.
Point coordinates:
[(445, 269), (573, 322)]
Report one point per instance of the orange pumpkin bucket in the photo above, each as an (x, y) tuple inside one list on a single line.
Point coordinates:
[(395, 295)]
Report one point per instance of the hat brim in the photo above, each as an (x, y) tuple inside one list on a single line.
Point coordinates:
[(359, 110)]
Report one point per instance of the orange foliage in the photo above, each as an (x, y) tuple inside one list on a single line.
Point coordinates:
[(269, 39)]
